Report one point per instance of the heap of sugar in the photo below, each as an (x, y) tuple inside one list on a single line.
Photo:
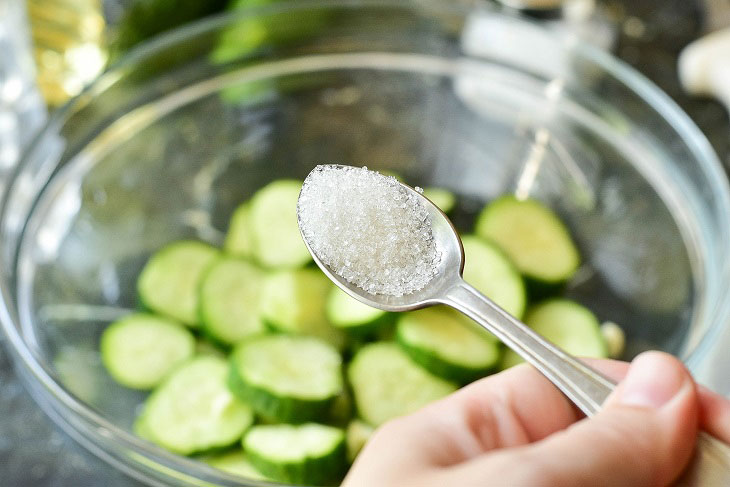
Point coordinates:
[(368, 229)]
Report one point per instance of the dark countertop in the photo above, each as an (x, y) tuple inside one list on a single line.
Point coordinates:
[(667, 26), (34, 452)]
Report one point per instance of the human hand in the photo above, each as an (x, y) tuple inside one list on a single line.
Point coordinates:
[(516, 429)]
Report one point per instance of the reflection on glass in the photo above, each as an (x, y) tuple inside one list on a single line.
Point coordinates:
[(68, 50)]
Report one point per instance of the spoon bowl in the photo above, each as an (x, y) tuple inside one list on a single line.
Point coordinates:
[(450, 266)]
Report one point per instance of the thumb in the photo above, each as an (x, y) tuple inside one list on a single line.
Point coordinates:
[(645, 434)]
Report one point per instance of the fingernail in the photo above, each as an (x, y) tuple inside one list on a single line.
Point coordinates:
[(653, 380)]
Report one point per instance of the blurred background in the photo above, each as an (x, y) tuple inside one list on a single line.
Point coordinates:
[(50, 49)]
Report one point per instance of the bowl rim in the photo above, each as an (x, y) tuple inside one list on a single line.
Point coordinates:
[(34, 368)]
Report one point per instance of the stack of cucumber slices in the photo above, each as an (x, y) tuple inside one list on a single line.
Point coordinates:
[(258, 365)]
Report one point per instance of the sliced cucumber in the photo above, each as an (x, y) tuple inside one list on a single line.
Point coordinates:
[(237, 463), (229, 301), (294, 302), (490, 271), (169, 282), (533, 237), (348, 313), (443, 198), (358, 433), (277, 242), (193, 410), (309, 454), (77, 369), (239, 239), (140, 350), (567, 324), (615, 339), (340, 412), (446, 344), (140, 429), (509, 359), (285, 377), (205, 347), (386, 383)]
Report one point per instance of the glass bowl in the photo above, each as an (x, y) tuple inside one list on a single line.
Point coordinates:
[(165, 145)]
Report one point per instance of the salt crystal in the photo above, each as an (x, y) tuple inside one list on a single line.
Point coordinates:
[(375, 233)]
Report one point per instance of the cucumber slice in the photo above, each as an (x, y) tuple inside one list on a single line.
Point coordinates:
[(229, 301), (205, 347), (289, 378), (140, 429), (490, 271), (386, 383), (340, 412), (294, 302), (567, 324), (169, 282), (193, 410), (447, 344), (239, 239), (510, 359), (357, 434), (237, 463), (533, 237), (348, 313), (140, 350), (615, 339), (275, 231), (309, 454), (77, 370), (440, 197)]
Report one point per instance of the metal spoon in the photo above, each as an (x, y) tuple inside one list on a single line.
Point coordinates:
[(582, 384)]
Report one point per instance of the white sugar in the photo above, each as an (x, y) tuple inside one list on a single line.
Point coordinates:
[(368, 229)]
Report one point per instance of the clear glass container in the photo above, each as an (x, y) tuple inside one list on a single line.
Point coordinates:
[(166, 143)]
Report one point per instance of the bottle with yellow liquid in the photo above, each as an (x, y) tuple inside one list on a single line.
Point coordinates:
[(68, 45)]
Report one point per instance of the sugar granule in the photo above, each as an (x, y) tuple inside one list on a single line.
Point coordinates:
[(368, 229)]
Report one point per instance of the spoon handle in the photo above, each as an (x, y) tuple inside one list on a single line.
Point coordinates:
[(582, 384)]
